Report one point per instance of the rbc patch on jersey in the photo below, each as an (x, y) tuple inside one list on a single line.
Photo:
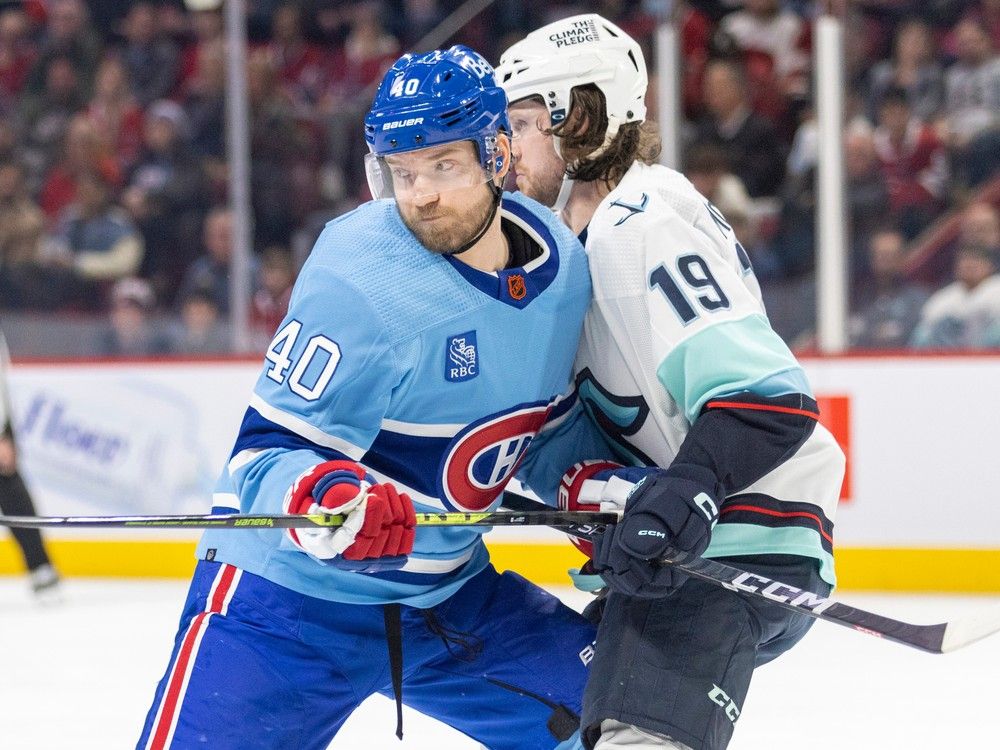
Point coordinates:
[(461, 360)]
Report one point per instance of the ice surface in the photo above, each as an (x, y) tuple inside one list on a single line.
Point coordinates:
[(81, 675)]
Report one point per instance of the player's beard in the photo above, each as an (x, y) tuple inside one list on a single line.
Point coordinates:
[(451, 229), (543, 184)]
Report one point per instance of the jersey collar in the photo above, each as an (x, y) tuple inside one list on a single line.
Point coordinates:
[(517, 287)]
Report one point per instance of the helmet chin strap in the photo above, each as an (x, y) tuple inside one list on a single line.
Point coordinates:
[(567, 182), (564, 191), (497, 194)]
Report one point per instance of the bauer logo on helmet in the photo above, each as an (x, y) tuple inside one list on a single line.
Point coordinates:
[(403, 123)]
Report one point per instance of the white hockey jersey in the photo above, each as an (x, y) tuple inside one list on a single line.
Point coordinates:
[(677, 320)]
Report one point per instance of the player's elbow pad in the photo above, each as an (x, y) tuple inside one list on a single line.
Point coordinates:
[(742, 438)]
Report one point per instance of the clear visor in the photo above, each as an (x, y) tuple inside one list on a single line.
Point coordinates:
[(416, 174)]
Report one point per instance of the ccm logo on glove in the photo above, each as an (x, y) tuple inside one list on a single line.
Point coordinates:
[(668, 512)]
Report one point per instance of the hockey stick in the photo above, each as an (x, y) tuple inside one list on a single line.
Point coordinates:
[(941, 638), (541, 516), (937, 639)]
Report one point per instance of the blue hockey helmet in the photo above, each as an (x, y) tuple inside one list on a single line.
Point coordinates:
[(436, 98)]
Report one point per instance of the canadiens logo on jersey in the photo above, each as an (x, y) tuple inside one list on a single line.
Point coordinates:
[(461, 358), (484, 455)]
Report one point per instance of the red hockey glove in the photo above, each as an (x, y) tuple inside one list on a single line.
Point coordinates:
[(582, 488), (380, 527)]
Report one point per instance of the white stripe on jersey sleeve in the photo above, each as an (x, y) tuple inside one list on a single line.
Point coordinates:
[(422, 430), (302, 428)]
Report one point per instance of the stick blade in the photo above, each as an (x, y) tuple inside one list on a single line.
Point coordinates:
[(960, 633)]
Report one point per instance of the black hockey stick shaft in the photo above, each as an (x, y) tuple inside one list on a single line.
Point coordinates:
[(936, 639), (541, 516)]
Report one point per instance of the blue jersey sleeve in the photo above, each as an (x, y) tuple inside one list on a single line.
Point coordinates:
[(567, 437), (322, 394)]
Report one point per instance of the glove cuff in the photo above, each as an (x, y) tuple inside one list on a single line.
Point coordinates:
[(571, 484), (570, 488), (589, 582), (697, 474), (300, 496)]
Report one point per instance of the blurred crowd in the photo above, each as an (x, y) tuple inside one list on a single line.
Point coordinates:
[(113, 170)]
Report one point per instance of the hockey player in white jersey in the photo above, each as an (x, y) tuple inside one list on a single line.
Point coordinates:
[(428, 340), (680, 368)]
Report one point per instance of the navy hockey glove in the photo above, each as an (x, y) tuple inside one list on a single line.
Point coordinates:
[(595, 485), (380, 527), (667, 513)]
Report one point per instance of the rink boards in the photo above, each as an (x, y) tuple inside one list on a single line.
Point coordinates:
[(919, 507)]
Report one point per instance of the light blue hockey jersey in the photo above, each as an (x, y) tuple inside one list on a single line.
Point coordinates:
[(431, 374)]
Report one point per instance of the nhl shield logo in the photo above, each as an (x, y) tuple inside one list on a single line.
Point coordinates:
[(461, 360), (516, 287)]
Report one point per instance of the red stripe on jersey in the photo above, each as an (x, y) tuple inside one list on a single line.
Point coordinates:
[(185, 658), (760, 407), (779, 514)]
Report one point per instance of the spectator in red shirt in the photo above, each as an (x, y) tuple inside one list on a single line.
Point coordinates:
[(83, 152), (764, 27), (368, 51), (989, 14), (115, 113), (206, 29), (17, 54), (914, 163), (300, 63), (696, 34)]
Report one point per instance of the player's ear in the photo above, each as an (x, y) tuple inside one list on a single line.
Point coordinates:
[(503, 158)]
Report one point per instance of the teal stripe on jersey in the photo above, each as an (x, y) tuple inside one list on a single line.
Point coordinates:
[(735, 539), (738, 355)]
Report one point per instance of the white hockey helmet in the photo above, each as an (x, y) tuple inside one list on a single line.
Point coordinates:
[(575, 51)]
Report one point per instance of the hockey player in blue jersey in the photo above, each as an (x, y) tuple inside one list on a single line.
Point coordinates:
[(681, 369), (428, 339)]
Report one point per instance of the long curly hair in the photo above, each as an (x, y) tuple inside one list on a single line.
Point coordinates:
[(583, 131)]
